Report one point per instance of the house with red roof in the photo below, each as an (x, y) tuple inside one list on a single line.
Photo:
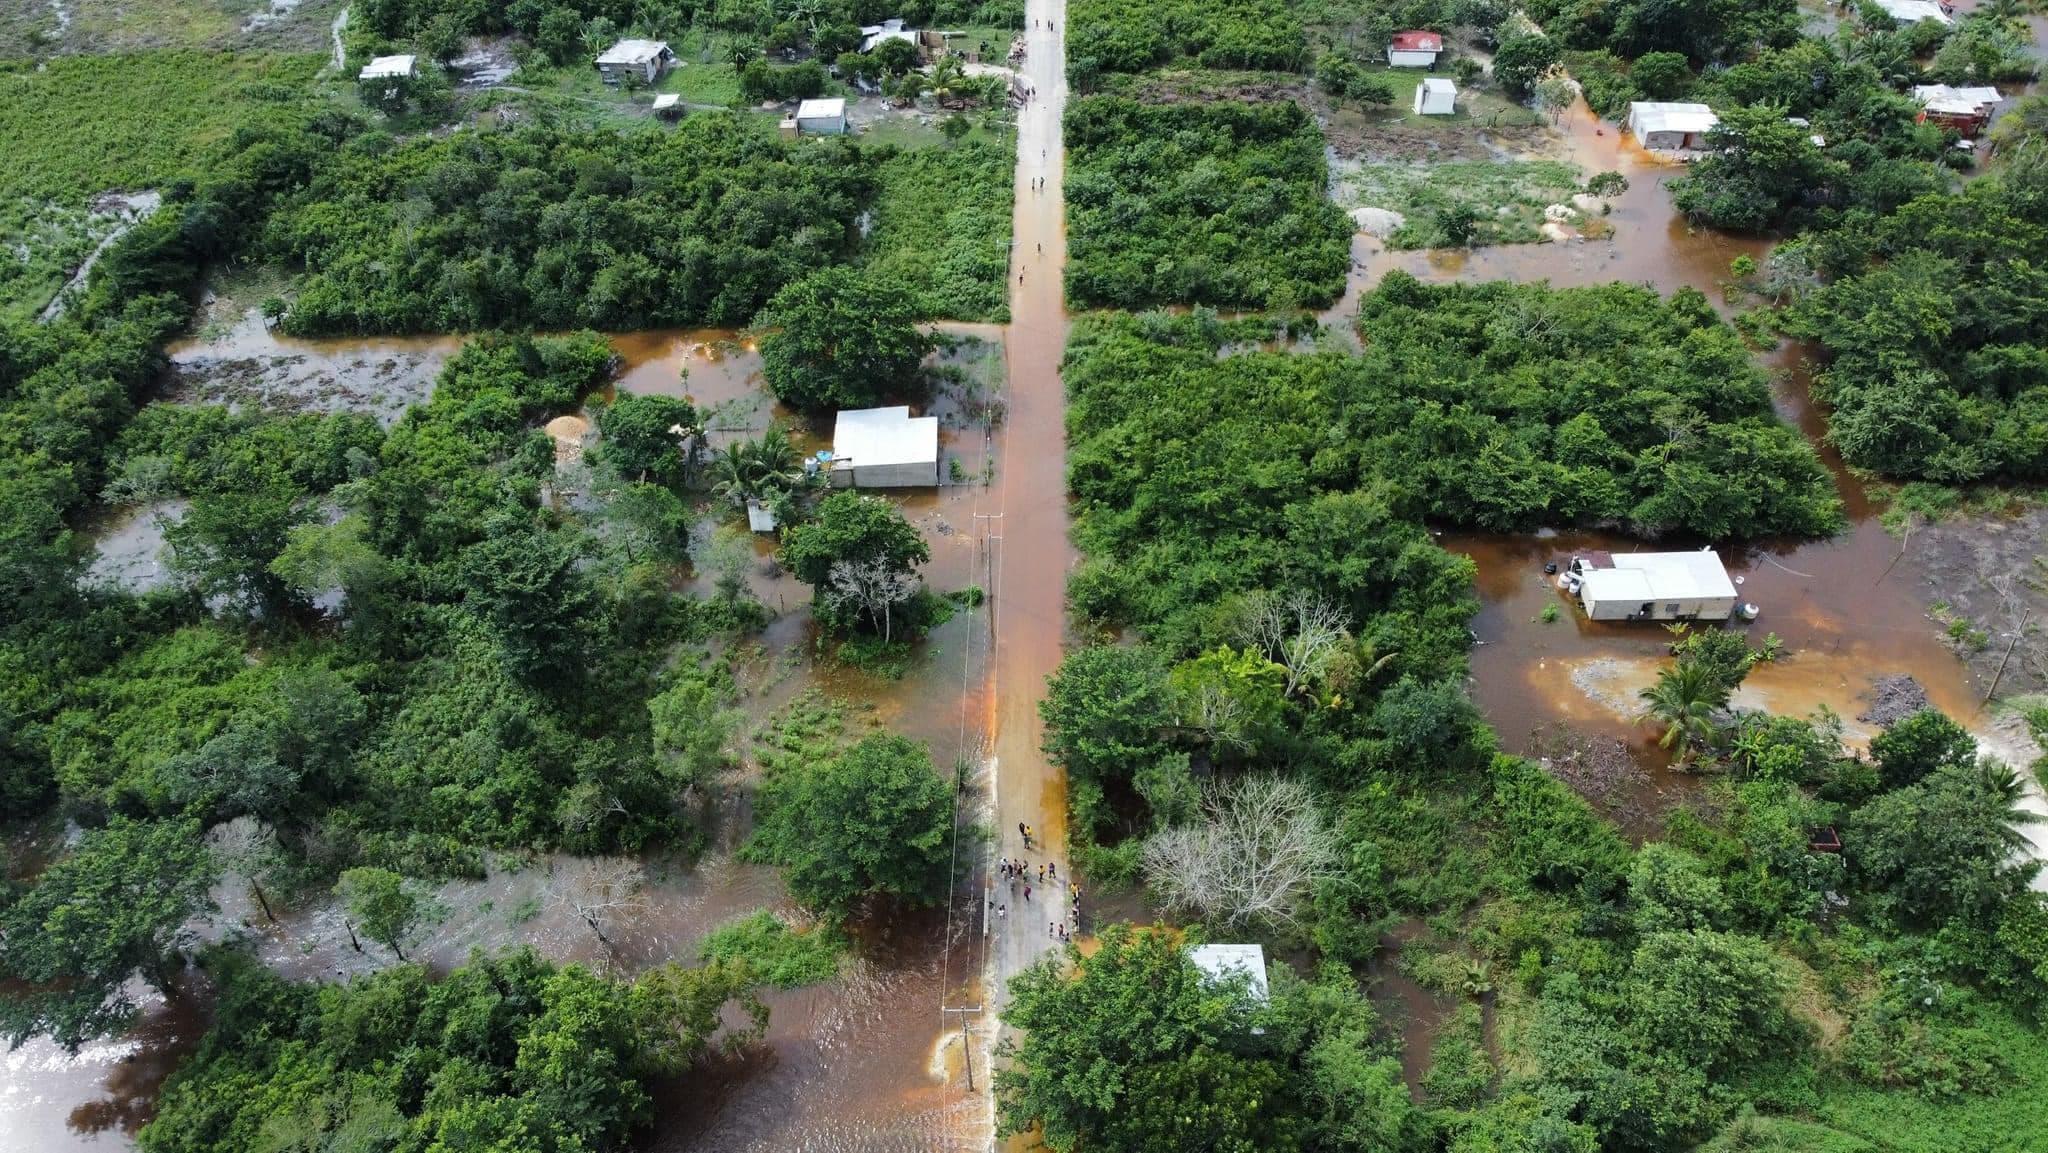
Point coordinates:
[(1415, 49)]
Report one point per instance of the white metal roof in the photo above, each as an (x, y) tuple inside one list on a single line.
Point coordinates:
[(633, 52), (1955, 101), (826, 109), (1914, 11), (386, 67), (864, 437), (1436, 86), (1225, 961), (666, 100), (1647, 116), (1660, 576)]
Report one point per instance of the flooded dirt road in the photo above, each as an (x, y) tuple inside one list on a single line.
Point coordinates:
[(1029, 534)]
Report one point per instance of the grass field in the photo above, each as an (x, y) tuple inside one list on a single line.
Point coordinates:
[(1508, 195), (79, 126), (121, 26)]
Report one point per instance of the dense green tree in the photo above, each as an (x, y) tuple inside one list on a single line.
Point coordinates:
[(1521, 61), (693, 730), (1660, 75), (381, 904), (1135, 1050), (507, 1052), (1759, 167), (641, 440), (1715, 1001), (841, 339), (851, 529), (872, 822), (1106, 710), (528, 586), (1910, 749), (115, 906), (1944, 849), (226, 543)]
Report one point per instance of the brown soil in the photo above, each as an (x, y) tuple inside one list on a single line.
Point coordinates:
[(1212, 88)]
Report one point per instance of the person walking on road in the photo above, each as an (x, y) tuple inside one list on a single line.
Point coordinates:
[(1027, 892)]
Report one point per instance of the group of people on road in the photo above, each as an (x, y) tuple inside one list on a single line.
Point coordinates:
[(1021, 873)]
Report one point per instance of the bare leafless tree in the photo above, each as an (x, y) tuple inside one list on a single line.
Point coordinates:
[(1300, 631), (1209, 708), (598, 890), (1262, 845), (874, 587)]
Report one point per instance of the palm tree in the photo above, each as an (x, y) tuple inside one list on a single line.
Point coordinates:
[(1684, 700)]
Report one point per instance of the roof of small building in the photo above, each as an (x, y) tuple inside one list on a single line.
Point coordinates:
[(666, 100), (1225, 961), (633, 52), (1660, 576), (1648, 116), (1914, 11), (824, 109), (864, 437), (385, 67), (1956, 101), (1416, 41), (1437, 85)]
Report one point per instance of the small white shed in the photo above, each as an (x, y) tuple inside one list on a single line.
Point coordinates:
[(641, 60), (1436, 96), (1228, 962), (1414, 49), (885, 448), (1652, 586), (821, 117), (1671, 127), (389, 68)]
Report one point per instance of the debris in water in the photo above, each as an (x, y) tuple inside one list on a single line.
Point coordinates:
[(1893, 699)]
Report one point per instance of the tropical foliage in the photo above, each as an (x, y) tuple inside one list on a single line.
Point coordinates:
[(1222, 204)]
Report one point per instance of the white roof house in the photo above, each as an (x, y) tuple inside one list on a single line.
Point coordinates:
[(1914, 11), (644, 59), (1223, 962), (884, 448), (874, 36), (388, 68), (1658, 586), (633, 52), (821, 117), (1436, 96), (1670, 126), (1947, 101)]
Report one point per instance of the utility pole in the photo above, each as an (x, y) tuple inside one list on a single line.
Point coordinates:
[(966, 1048)]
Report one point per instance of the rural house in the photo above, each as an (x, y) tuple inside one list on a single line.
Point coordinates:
[(642, 61), (1666, 127), (1963, 110), (1436, 96), (873, 36), (884, 448), (820, 118), (389, 68), (1415, 49), (1651, 586)]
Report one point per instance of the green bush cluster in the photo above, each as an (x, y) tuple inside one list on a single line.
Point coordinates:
[(1220, 204), (504, 1052), (1105, 36)]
